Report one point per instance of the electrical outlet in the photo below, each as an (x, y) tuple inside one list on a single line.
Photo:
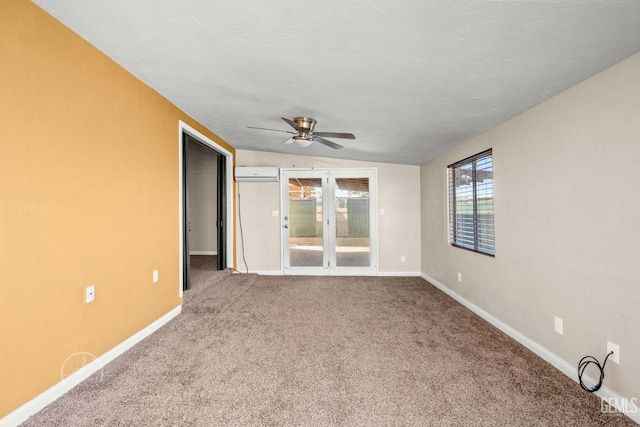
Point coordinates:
[(274, 213), (155, 276), (90, 294), (558, 325), (459, 277), (402, 258), (615, 357), (381, 211)]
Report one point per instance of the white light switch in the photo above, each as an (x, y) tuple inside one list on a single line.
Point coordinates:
[(155, 276), (274, 213), (381, 211)]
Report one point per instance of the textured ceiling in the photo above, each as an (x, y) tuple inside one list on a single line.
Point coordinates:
[(410, 79)]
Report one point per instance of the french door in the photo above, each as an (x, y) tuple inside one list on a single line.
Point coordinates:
[(328, 221)]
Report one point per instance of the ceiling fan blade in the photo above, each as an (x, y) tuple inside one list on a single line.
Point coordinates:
[(292, 124), (288, 141), (336, 135), (275, 130), (327, 142)]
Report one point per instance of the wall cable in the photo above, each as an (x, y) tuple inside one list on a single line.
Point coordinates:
[(241, 232), (582, 365)]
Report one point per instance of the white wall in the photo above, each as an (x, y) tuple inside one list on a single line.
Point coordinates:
[(202, 178), (398, 228), (567, 211)]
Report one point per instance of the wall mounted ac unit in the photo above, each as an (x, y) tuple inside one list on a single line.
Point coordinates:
[(257, 174)]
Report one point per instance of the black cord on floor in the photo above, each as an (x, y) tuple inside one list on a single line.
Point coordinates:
[(241, 234), (582, 365)]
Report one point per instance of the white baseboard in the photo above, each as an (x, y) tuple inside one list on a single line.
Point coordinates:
[(203, 252), (400, 273), (624, 405), (48, 396), (380, 273)]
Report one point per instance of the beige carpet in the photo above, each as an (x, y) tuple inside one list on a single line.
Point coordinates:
[(267, 350)]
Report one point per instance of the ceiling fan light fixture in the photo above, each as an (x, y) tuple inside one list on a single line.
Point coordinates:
[(302, 141)]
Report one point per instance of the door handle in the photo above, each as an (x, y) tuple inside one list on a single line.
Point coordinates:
[(285, 226)]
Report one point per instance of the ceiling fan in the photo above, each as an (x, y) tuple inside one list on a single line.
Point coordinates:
[(305, 133)]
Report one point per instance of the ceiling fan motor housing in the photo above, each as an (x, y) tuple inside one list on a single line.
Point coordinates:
[(305, 123)]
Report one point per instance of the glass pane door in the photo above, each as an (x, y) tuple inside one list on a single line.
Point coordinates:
[(352, 227), (306, 243)]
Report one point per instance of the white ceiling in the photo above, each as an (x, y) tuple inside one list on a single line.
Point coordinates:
[(410, 79)]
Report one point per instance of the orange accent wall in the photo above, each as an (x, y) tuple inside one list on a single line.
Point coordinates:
[(88, 196)]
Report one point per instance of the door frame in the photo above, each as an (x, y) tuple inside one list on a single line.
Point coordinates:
[(329, 213), (184, 128)]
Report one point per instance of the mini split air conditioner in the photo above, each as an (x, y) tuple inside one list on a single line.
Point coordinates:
[(257, 174)]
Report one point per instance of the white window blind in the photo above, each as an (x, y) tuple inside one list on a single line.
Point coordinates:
[(471, 223)]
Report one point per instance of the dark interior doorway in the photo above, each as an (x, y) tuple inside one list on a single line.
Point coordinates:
[(204, 204)]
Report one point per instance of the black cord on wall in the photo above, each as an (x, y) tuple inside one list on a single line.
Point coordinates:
[(582, 365), (241, 233)]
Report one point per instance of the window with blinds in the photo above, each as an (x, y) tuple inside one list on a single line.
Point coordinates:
[(471, 203)]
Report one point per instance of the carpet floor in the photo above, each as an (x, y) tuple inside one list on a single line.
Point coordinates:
[(361, 351)]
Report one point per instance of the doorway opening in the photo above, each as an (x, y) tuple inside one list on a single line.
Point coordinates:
[(205, 189)]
